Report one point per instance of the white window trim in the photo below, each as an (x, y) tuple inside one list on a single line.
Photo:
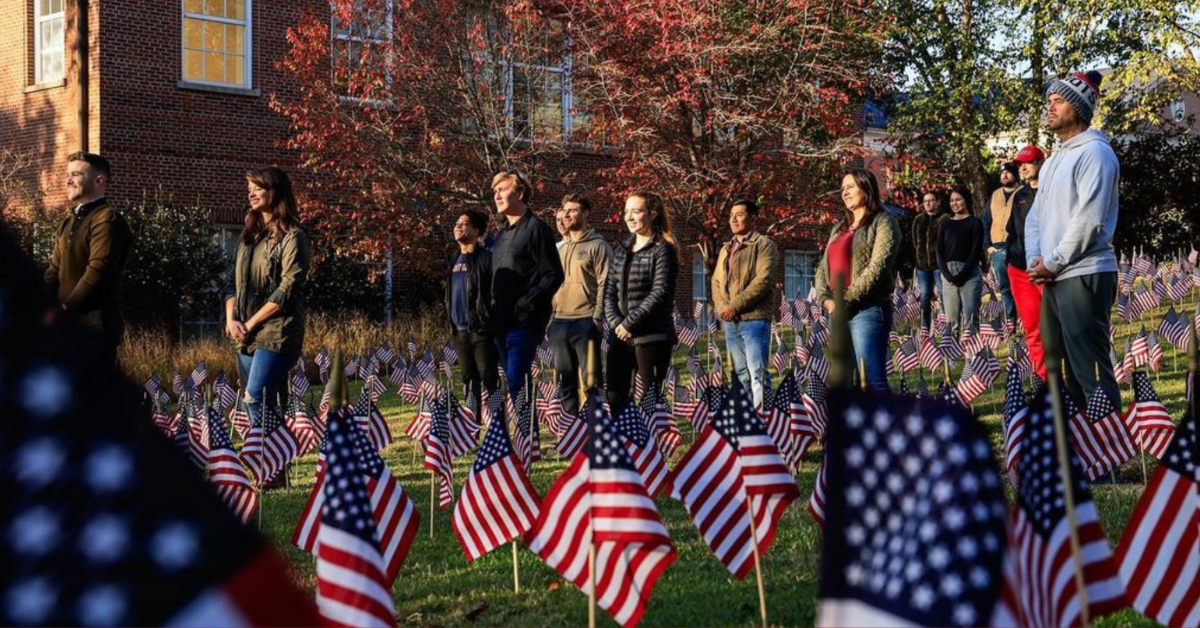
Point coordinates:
[(566, 89), (38, 19), (814, 260), (247, 45), (386, 40)]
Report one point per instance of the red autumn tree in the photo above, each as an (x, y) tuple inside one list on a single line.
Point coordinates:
[(405, 109), (717, 100)]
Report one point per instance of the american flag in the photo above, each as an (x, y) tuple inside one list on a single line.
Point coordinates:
[(817, 499), (351, 368), (814, 396), (1159, 551), (1122, 374), (779, 361), (991, 333), (412, 348), (949, 346), (734, 468), (978, 374), (177, 385), (786, 316), (907, 358), (1177, 289), (1140, 349), (685, 403), (154, 389), (299, 379), (497, 503), (239, 417), (660, 420), (425, 366), (375, 387), (631, 546), (199, 377), (1124, 308), (788, 423), (437, 452), (103, 523), (408, 388), (226, 394), (697, 310), (371, 421), (309, 429), (1014, 417), (1147, 418), (464, 426), (270, 450), (817, 365), (573, 436), (1154, 352), (226, 472), (931, 357), (915, 527), (711, 400), (323, 362), (396, 517), (1101, 439), (1143, 301), (1174, 329), (689, 333), (386, 354), (526, 438), (647, 459), (1039, 571), (195, 421), (352, 586), (1143, 265)]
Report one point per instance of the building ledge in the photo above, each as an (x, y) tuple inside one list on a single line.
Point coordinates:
[(218, 89), (41, 87)]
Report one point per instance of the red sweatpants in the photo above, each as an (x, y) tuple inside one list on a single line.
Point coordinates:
[(1028, 297)]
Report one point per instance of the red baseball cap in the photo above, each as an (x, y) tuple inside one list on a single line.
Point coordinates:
[(1030, 154)]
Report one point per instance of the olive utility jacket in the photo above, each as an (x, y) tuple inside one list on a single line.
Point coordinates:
[(273, 271)]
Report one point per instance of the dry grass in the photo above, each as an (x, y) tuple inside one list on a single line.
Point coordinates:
[(153, 352)]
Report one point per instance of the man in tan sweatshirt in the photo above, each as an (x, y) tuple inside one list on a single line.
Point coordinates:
[(579, 302)]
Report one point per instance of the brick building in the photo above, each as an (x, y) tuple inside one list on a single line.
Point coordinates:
[(176, 95)]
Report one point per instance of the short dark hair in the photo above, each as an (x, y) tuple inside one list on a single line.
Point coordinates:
[(751, 206), (98, 163), (478, 220), (580, 199)]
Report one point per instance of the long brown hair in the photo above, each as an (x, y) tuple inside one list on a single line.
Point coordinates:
[(285, 214), (661, 225), (865, 180)]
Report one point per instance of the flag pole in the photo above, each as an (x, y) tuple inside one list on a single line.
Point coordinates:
[(516, 569), (1053, 374), (432, 499), (762, 597), (593, 377)]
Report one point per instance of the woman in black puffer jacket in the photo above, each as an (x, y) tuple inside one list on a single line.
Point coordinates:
[(639, 296)]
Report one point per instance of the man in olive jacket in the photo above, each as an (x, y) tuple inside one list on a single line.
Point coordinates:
[(579, 302), (743, 293), (924, 239), (90, 250)]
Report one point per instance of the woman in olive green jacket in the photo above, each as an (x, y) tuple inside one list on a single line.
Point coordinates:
[(861, 258), (264, 305)]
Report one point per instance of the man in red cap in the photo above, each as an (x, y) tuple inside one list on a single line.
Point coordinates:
[(1026, 294)]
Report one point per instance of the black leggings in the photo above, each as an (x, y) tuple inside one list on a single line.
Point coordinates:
[(479, 359), (650, 360)]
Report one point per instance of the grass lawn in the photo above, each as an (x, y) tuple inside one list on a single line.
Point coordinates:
[(437, 587)]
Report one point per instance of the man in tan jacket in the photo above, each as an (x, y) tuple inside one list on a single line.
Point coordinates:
[(579, 302), (743, 294)]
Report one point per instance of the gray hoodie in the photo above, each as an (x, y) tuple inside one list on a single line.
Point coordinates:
[(1074, 216)]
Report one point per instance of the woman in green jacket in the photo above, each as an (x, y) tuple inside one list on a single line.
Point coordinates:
[(861, 258), (264, 306)]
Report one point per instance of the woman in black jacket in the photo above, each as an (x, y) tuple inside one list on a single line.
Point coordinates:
[(960, 255), (638, 299), (468, 300)]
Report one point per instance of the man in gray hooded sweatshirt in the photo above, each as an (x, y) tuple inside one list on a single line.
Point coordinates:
[(1068, 237), (578, 304)]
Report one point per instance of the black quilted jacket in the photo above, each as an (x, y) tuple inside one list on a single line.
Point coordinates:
[(640, 291)]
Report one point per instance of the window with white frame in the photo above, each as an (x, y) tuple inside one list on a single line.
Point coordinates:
[(48, 40), (700, 287), (1178, 110), (204, 317), (799, 272), (539, 87), (365, 29), (216, 42)]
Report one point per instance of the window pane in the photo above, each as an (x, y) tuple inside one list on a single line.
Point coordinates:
[(192, 29), (233, 38), (214, 7), (214, 36), (235, 9), (193, 65), (214, 67), (234, 68), (193, 6)]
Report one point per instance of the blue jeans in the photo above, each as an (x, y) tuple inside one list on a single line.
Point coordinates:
[(926, 280), (869, 335), (264, 374), (962, 301), (748, 343), (999, 261), (517, 348)]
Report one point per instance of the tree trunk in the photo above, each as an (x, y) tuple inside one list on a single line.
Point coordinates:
[(1037, 68)]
